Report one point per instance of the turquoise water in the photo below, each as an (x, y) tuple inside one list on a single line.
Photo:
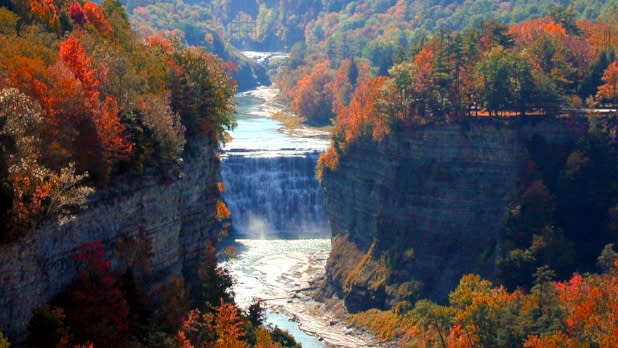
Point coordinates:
[(258, 134), (283, 322), (260, 262)]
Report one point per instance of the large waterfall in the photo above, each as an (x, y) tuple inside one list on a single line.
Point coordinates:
[(279, 222), (274, 196)]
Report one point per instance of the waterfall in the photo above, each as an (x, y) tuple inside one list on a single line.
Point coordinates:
[(274, 196)]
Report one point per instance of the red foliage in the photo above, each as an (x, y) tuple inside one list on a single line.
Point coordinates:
[(74, 56), (97, 310), (77, 14), (106, 113)]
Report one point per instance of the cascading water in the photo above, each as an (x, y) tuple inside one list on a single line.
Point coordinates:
[(279, 222), (273, 197), (269, 176)]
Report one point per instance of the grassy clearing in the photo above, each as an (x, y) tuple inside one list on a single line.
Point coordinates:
[(290, 121)]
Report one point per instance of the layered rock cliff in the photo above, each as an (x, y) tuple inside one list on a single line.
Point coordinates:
[(413, 213), (177, 215)]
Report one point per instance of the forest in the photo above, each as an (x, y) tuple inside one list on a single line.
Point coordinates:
[(83, 98), (560, 227), (83, 101), (91, 91)]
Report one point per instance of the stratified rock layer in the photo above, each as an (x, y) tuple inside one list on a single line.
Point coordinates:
[(425, 204), (177, 215)]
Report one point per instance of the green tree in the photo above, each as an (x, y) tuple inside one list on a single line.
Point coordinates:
[(494, 71), (202, 94)]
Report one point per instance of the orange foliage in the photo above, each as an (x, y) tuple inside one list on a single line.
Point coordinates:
[(600, 35), (591, 305), (45, 11), (309, 97), (528, 31), (74, 56), (328, 159), (423, 79), (116, 147), (222, 211), (362, 116), (609, 89), (159, 42), (64, 97), (106, 113), (557, 340), (398, 10), (183, 341), (228, 327), (97, 17), (25, 73), (341, 87)]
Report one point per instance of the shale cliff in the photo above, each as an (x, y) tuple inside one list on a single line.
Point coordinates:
[(413, 213), (177, 215)]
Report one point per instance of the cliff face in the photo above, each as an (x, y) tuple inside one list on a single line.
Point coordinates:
[(177, 216), (424, 205)]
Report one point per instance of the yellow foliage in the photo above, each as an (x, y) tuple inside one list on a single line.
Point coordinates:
[(289, 121), (386, 324), (8, 21), (263, 338)]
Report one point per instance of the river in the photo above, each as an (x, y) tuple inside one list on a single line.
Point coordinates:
[(280, 230)]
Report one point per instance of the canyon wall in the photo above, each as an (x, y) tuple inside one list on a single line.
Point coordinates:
[(178, 215), (424, 206)]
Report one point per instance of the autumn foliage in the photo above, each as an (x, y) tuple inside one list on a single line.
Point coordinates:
[(536, 67), (310, 98), (579, 312), (608, 91), (96, 307), (93, 109)]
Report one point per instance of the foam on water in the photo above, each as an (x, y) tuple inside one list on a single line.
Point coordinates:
[(277, 208)]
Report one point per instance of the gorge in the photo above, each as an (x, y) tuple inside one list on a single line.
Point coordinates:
[(178, 217), (413, 213), (280, 229)]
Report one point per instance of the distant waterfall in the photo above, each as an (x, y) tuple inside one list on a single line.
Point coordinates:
[(274, 196)]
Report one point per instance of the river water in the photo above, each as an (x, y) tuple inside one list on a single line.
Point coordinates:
[(280, 230)]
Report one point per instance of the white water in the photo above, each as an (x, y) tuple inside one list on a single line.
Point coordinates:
[(280, 223)]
